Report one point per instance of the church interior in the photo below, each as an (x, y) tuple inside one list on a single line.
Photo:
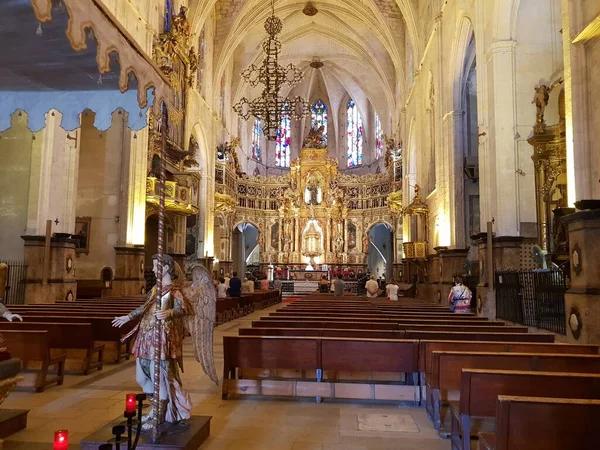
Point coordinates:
[(346, 219)]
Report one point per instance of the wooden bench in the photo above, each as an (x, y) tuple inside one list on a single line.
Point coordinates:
[(524, 423), (323, 356), (322, 332), (102, 330), (444, 383), (409, 321), (427, 347), (30, 345), (479, 336), (480, 389), (66, 336)]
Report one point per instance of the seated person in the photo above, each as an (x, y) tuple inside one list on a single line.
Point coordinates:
[(324, 284), (235, 286), (372, 287), (245, 286), (339, 286), (221, 288), (392, 290)]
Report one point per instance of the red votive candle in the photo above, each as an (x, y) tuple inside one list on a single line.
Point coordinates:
[(130, 403), (61, 440)]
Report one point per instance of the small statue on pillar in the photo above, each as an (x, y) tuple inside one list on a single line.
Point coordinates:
[(541, 97)]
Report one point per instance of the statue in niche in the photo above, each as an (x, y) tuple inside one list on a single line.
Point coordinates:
[(313, 194), (365, 243), (261, 241), (315, 138)]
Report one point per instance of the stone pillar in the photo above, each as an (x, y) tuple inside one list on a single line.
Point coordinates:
[(582, 301), (506, 252), (500, 196), (133, 209), (129, 272), (452, 124), (61, 274)]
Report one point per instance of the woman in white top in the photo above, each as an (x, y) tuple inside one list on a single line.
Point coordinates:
[(222, 289), (392, 290)]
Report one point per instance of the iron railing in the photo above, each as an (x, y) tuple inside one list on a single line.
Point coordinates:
[(15, 283), (534, 298)]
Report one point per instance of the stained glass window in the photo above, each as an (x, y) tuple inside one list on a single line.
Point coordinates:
[(378, 138), (201, 58), (256, 135), (168, 14), (355, 135), (319, 118), (282, 143)]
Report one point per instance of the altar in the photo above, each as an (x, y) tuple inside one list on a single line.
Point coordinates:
[(308, 275)]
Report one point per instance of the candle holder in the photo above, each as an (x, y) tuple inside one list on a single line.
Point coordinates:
[(61, 440), (134, 404)]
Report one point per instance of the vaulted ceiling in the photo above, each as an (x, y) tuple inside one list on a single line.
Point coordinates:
[(361, 44)]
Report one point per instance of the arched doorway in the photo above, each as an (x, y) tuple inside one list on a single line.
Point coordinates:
[(381, 252), (245, 248)]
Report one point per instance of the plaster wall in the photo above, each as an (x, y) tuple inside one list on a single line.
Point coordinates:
[(20, 150), (99, 194)]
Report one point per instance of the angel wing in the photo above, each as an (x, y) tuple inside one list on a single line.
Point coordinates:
[(203, 298)]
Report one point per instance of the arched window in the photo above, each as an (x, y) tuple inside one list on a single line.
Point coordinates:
[(378, 138), (355, 135), (282, 143), (256, 135), (319, 118)]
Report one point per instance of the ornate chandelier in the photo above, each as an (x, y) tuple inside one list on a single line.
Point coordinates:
[(270, 108)]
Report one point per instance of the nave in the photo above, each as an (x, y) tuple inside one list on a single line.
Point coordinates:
[(84, 403)]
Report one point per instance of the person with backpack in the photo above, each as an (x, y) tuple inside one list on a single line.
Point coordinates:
[(460, 297)]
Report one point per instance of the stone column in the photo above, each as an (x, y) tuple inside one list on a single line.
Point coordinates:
[(61, 275), (453, 124), (133, 209), (500, 172), (582, 301)]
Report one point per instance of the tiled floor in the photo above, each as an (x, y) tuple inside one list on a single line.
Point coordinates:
[(84, 404)]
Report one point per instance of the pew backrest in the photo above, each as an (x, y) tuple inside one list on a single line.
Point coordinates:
[(548, 423), (480, 388)]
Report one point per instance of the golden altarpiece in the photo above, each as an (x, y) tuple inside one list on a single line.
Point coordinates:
[(174, 54), (315, 215)]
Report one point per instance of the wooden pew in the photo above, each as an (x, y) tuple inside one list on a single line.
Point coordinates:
[(34, 345), (524, 423), (322, 332), (478, 336), (427, 347), (444, 383), (423, 321), (480, 389), (66, 336), (102, 329), (382, 325), (321, 355)]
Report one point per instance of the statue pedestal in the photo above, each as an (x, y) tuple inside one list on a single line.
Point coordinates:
[(61, 283), (188, 436), (582, 300), (129, 272)]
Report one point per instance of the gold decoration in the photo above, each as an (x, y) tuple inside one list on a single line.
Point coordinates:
[(394, 201), (177, 198)]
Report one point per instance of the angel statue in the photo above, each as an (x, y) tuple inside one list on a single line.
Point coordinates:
[(192, 309), (541, 97)]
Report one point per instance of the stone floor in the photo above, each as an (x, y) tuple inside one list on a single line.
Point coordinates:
[(84, 404)]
